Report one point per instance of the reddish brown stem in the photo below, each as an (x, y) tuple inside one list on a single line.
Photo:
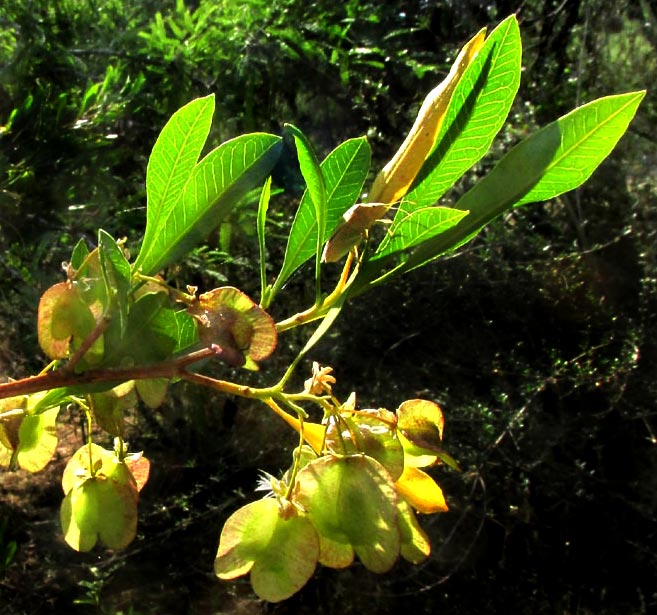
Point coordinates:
[(63, 377)]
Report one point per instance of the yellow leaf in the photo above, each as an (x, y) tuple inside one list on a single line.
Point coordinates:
[(421, 491), (394, 180), (356, 221)]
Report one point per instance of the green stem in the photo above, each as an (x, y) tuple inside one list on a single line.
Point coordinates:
[(297, 463)]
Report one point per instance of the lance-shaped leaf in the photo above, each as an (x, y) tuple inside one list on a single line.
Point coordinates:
[(261, 219), (351, 501), (79, 254), (315, 187), (557, 158), (344, 170), (115, 270), (417, 226), (228, 318), (280, 553), (174, 156), (478, 108), (214, 187), (396, 177)]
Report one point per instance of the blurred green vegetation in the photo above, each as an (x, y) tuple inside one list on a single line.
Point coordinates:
[(537, 340)]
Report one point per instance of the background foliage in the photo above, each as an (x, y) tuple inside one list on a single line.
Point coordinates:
[(537, 340)]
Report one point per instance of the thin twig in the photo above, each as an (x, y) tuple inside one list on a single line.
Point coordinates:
[(63, 377)]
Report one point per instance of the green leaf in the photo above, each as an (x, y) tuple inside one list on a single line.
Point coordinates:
[(80, 252), (280, 553), (315, 187), (557, 158), (151, 334), (215, 186), (588, 135), (187, 331), (417, 226), (53, 398), (345, 170), (115, 270), (324, 326), (171, 162), (114, 262), (477, 111), (263, 206)]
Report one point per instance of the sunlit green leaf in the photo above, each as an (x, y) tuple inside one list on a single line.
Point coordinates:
[(214, 187), (557, 158), (315, 187), (261, 220), (344, 170), (477, 111), (171, 162), (415, 227), (588, 135)]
